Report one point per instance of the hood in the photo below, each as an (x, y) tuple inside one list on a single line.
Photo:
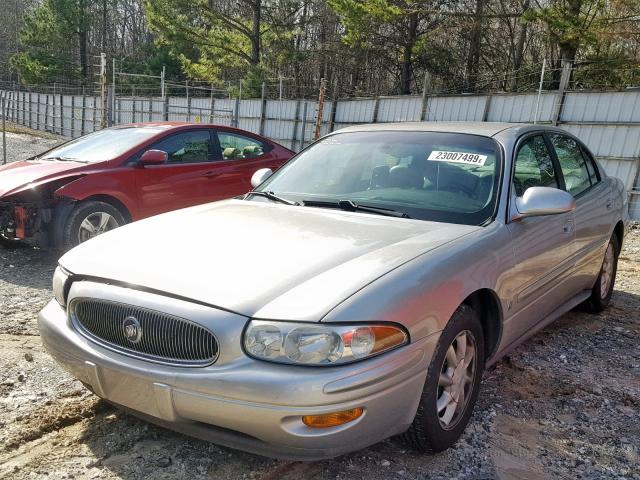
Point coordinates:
[(17, 175), (259, 259)]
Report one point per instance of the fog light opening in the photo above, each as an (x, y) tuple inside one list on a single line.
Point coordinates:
[(332, 419)]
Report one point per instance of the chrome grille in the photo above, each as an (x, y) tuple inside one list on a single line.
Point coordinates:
[(162, 338)]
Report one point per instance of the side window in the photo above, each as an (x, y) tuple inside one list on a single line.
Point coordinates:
[(591, 167), (533, 166), (234, 146), (186, 147), (572, 163)]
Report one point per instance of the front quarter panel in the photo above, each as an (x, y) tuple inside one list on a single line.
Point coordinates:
[(423, 294), (117, 182)]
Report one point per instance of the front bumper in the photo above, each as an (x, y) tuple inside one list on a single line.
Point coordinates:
[(248, 404)]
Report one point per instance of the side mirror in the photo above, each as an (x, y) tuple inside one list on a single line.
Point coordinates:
[(539, 201), (260, 176), (153, 157)]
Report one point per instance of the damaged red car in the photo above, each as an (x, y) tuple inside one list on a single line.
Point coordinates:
[(103, 180)]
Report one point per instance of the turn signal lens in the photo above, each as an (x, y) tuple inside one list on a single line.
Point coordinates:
[(332, 419)]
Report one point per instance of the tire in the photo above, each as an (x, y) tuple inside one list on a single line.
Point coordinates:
[(603, 289), (428, 432), (75, 231)]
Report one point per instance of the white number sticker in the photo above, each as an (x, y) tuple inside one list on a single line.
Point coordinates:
[(457, 157)]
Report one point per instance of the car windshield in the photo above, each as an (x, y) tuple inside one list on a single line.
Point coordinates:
[(103, 145), (444, 177)]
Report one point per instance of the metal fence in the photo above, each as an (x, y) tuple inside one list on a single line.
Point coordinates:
[(608, 122)]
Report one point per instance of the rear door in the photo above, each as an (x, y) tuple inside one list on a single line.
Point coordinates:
[(239, 157), (543, 246), (186, 179), (594, 203)]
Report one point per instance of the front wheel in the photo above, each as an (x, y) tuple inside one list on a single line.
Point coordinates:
[(452, 384), (603, 289), (90, 219)]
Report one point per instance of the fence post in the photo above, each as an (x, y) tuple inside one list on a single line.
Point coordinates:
[(426, 88), (304, 125), (295, 126), (61, 113), (320, 111), (334, 105), (73, 116), (110, 102), (53, 108), (29, 110), (82, 115), (376, 107), (133, 109), (46, 111), (4, 130), (263, 108), (150, 109), (236, 113), (487, 108), (564, 82), (165, 108), (212, 104)]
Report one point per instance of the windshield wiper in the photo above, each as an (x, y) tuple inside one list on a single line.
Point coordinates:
[(62, 159), (351, 206), (272, 196)]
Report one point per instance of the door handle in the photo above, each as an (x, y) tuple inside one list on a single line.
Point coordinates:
[(609, 204), (211, 174)]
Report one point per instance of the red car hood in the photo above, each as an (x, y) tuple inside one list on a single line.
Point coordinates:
[(15, 175)]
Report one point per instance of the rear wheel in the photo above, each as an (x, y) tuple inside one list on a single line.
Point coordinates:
[(90, 219), (603, 289), (452, 384)]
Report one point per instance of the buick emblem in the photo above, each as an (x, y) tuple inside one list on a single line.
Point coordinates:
[(132, 329)]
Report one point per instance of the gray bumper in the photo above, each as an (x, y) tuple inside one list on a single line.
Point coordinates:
[(247, 404)]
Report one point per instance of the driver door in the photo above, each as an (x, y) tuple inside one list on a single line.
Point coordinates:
[(186, 179), (543, 246)]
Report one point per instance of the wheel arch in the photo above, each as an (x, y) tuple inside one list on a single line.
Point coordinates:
[(487, 304), (113, 201), (619, 232)]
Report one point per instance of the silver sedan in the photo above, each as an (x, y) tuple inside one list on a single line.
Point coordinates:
[(356, 294)]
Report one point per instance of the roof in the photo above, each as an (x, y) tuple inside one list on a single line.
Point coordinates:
[(487, 129)]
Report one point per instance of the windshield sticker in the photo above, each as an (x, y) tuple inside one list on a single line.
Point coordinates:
[(457, 157)]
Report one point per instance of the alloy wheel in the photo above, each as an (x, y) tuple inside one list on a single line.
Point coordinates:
[(456, 379), (607, 271), (95, 224)]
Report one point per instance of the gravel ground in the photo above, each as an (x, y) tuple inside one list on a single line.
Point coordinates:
[(566, 404), (21, 144)]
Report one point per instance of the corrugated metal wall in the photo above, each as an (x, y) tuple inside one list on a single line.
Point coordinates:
[(608, 122)]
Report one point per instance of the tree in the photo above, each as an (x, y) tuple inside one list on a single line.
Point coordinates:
[(46, 35), (392, 28), (226, 35)]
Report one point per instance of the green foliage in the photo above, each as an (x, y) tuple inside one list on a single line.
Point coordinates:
[(211, 37), (252, 83), (48, 52), (571, 24)]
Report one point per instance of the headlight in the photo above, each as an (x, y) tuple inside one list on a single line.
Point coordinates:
[(60, 278), (319, 344)]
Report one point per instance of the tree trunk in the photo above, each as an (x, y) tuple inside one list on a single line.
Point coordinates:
[(82, 39), (255, 32), (518, 54), (406, 68), (473, 56)]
